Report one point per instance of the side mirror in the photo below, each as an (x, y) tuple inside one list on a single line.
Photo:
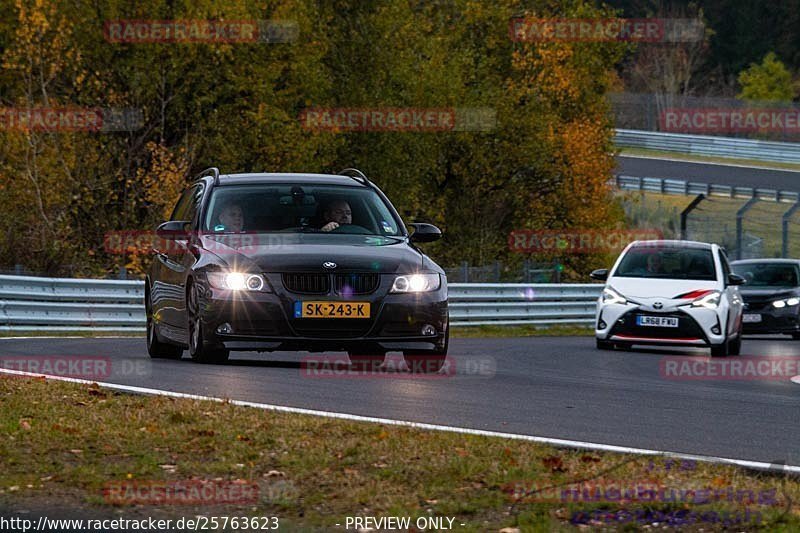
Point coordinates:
[(601, 274), (173, 230), (425, 232), (736, 279)]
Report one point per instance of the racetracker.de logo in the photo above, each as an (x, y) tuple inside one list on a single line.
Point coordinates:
[(200, 31), (188, 492), (647, 30), (641, 491), (687, 368), (70, 119), (395, 367), (732, 120), (408, 119), (576, 241), (72, 366), (145, 242)]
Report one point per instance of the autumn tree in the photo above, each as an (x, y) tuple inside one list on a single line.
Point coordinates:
[(769, 80)]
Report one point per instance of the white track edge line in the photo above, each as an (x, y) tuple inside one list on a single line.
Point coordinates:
[(757, 465)]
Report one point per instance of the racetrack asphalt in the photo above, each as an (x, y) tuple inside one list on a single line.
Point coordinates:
[(739, 176), (558, 387)]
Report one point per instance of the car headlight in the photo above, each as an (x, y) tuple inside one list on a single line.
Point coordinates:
[(779, 304), (709, 301), (416, 283), (610, 296), (237, 281)]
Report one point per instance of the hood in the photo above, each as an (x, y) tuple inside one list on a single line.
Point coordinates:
[(763, 294), (647, 288), (298, 252)]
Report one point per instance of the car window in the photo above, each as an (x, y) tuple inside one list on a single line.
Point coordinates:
[(667, 263), (768, 274), (186, 207), (294, 208), (726, 267)]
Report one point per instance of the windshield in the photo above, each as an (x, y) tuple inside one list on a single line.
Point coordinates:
[(292, 208), (667, 263), (768, 274)]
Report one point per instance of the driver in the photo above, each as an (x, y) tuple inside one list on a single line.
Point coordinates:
[(231, 218), (336, 214), (654, 264)]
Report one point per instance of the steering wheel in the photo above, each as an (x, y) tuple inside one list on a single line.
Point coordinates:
[(349, 228)]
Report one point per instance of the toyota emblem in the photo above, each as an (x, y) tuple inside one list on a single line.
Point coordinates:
[(329, 264), (658, 305)]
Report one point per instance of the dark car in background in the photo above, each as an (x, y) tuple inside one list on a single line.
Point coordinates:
[(771, 295), (249, 262)]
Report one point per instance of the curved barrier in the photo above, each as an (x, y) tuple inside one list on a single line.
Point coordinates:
[(709, 145)]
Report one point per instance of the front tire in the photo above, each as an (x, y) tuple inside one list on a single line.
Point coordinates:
[(604, 345), (367, 358), (155, 348), (200, 350), (720, 350), (735, 346)]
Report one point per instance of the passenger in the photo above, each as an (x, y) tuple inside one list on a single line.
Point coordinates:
[(336, 214), (231, 218)]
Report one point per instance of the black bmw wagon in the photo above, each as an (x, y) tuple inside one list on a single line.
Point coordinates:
[(298, 262)]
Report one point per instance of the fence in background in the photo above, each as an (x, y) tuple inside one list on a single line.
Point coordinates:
[(87, 305), (495, 272), (742, 244)]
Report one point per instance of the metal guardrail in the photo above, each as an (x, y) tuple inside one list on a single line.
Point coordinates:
[(63, 304), (709, 145), (671, 186), (86, 305)]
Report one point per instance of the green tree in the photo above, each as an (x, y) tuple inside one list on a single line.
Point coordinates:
[(769, 80)]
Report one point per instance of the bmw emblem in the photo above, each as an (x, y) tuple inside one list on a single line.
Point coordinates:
[(329, 264), (658, 305)]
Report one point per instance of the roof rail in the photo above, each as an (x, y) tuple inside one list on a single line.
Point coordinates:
[(356, 175), (212, 171)]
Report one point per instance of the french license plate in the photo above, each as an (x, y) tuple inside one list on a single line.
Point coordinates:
[(657, 321), (750, 318), (331, 309)]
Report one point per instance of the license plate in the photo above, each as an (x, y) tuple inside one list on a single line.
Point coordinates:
[(331, 309), (750, 318), (657, 321)]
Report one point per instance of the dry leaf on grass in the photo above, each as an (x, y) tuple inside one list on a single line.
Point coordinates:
[(554, 463)]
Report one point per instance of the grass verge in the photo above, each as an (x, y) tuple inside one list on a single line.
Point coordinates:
[(471, 332), (63, 443)]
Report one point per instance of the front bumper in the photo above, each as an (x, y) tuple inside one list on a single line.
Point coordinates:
[(264, 321), (772, 320), (696, 326)]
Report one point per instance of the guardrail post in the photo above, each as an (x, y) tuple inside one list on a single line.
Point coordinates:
[(685, 213), (739, 218), (785, 228), (465, 271), (497, 271), (526, 271)]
